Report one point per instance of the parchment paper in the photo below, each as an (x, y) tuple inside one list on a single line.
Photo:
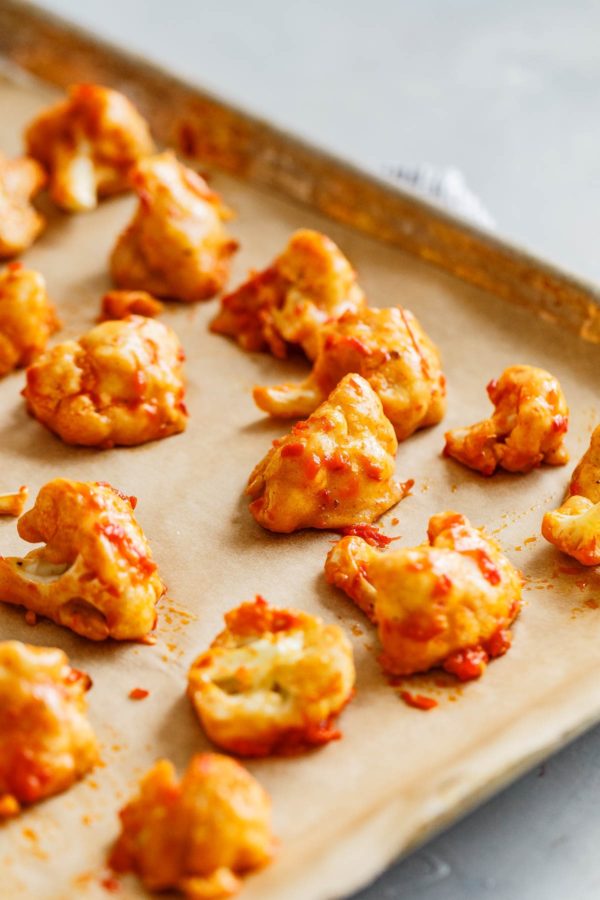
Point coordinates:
[(344, 811)]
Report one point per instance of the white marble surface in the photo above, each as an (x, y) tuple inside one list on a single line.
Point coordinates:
[(508, 91)]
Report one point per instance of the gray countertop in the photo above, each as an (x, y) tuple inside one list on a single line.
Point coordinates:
[(508, 92)]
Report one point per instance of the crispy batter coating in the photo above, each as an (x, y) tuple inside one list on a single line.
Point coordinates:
[(390, 350), (120, 384), (120, 304), (585, 481), (20, 224), (274, 681), (526, 429), (287, 303), (198, 835), (575, 529), (446, 603), (176, 245), (27, 317), (95, 573), (87, 143), (13, 504), (334, 469), (46, 741)]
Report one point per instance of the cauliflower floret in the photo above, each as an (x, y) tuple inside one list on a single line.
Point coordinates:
[(46, 742), (334, 469), (95, 573), (575, 529), (20, 224), (120, 304), (274, 681), (310, 283), (447, 603), (176, 245), (526, 429), (27, 317), (13, 504), (585, 481), (197, 835), (121, 384), (87, 144), (390, 350)]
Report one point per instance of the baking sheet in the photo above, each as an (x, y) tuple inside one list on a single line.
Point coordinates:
[(344, 811)]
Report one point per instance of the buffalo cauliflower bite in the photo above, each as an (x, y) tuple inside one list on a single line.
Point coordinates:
[(176, 245), (575, 529), (121, 384), (87, 144), (27, 317), (13, 504), (274, 681), (310, 283), (446, 603), (198, 835), (390, 350), (334, 469), (20, 224), (120, 304), (95, 573), (585, 481), (526, 429), (46, 742)]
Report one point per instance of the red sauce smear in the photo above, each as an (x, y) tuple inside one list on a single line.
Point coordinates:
[(111, 884), (418, 701), (467, 664), (138, 694), (369, 533)]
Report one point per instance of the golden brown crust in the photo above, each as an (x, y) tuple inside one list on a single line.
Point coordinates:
[(334, 469), (87, 143), (575, 529), (121, 384), (13, 504), (120, 304), (46, 742), (273, 682), (390, 350), (27, 317), (585, 481), (310, 283), (20, 223), (95, 573), (526, 429), (198, 835), (447, 603), (176, 245)]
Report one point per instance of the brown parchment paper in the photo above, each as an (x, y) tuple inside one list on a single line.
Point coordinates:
[(342, 812)]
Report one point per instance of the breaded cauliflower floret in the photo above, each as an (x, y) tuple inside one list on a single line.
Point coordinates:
[(95, 573), (198, 835), (390, 350), (20, 224), (13, 504), (274, 681), (176, 245), (334, 469), (575, 529), (27, 317), (526, 429), (46, 742), (310, 283), (585, 481), (120, 304), (446, 603), (87, 144), (121, 384)]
